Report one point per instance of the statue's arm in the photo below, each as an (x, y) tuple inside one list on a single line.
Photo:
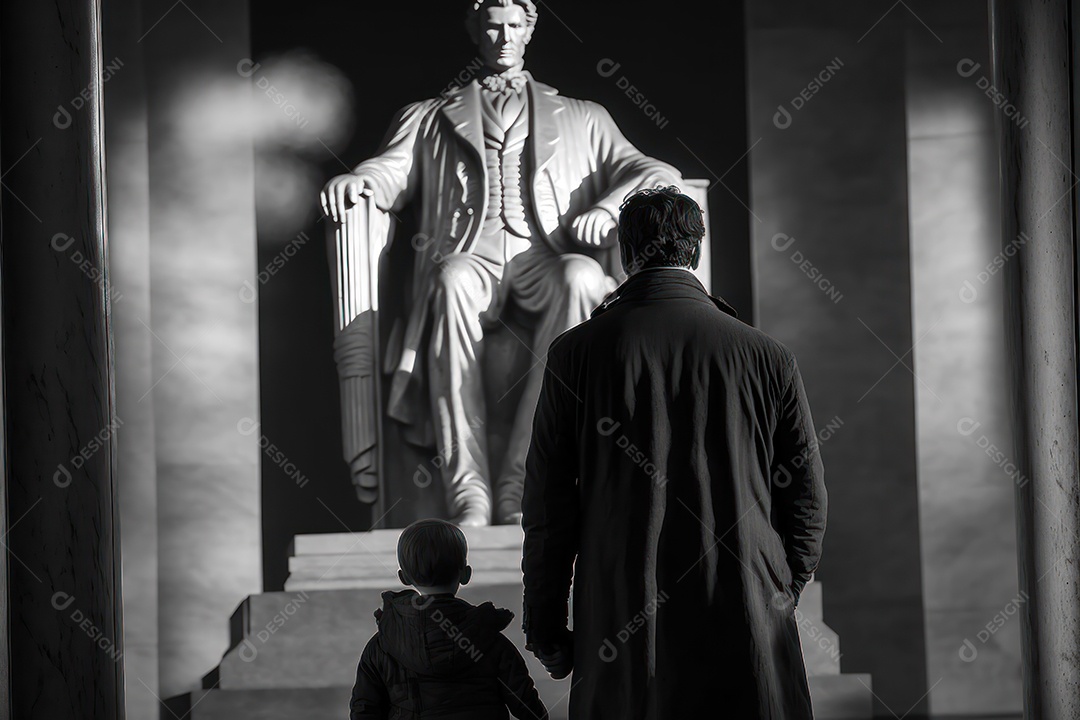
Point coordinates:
[(393, 168), (389, 176), (625, 167)]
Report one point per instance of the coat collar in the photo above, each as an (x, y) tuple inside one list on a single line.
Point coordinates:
[(662, 284), (462, 109)]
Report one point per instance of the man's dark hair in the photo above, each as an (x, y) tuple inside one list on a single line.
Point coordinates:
[(661, 227), (432, 552)]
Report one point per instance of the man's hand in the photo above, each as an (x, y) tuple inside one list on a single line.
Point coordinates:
[(342, 192), (558, 658), (595, 228)]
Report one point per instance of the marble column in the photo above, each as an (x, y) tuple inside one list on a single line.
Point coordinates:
[(129, 268), (1036, 85), (64, 616), (203, 329), (966, 474), (829, 192)]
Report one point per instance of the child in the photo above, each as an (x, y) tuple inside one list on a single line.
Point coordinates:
[(434, 655)]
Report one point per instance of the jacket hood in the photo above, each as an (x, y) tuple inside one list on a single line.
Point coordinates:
[(437, 634)]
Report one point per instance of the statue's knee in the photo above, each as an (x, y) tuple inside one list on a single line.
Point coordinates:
[(582, 274), (456, 277)]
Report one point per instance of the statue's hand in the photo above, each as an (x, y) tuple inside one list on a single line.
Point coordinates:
[(595, 228), (342, 192)]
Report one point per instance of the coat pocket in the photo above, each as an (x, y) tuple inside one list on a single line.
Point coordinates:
[(780, 585)]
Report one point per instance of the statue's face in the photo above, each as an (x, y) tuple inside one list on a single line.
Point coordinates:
[(504, 33)]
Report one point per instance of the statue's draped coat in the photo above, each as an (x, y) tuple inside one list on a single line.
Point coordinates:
[(674, 470)]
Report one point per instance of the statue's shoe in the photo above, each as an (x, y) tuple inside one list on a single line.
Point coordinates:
[(508, 510), (513, 518), (471, 517)]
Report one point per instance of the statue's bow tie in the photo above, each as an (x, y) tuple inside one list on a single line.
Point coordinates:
[(501, 83)]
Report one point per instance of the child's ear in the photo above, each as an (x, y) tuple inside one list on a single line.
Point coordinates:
[(403, 578), (466, 575)]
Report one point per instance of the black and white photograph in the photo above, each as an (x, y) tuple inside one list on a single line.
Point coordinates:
[(538, 359)]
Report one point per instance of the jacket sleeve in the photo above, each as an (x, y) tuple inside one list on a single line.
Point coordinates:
[(626, 168), (370, 700), (517, 687), (550, 505), (798, 482)]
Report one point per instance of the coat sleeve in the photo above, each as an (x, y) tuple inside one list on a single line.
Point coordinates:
[(550, 505), (516, 685), (370, 700), (626, 168), (393, 169), (798, 482)]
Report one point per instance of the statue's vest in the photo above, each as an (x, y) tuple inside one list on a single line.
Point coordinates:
[(509, 226)]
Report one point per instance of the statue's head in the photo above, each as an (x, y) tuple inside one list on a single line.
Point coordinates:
[(660, 227), (501, 29)]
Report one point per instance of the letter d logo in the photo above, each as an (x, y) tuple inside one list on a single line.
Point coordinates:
[(967, 425), (782, 118), (606, 426), (61, 242), (782, 238), (247, 67), (422, 477), (608, 651), (246, 426), (782, 477), (968, 293), (61, 600), (248, 651), (62, 118), (607, 67), (968, 652), (966, 67), (62, 477), (247, 293)]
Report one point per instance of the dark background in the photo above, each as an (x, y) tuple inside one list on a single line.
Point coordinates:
[(689, 65)]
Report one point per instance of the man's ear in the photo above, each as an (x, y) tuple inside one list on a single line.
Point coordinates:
[(624, 258), (697, 256), (466, 575), (405, 579)]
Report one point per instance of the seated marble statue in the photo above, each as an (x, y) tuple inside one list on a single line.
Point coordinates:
[(517, 191)]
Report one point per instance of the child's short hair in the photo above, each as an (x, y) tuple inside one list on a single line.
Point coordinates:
[(432, 552)]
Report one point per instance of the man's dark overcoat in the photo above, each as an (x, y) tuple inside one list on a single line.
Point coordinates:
[(674, 474)]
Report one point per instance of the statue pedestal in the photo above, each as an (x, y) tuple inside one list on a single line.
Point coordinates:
[(293, 654)]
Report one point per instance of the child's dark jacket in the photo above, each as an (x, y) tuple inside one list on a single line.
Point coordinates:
[(441, 657)]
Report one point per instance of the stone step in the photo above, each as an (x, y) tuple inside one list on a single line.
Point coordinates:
[(294, 652), (329, 581), (372, 565), (385, 541), (367, 560), (313, 638), (841, 697), (836, 697)]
